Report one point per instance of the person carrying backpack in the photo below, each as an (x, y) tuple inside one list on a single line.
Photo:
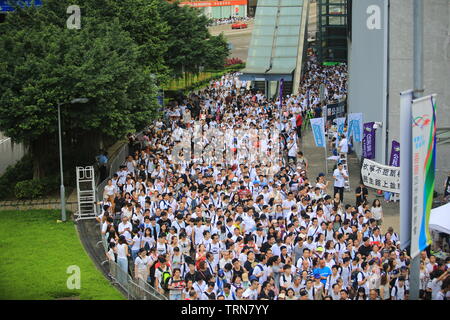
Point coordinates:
[(162, 276)]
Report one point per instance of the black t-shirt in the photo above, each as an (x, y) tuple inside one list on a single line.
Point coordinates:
[(365, 251), (190, 276), (447, 187), (361, 198), (267, 296), (265, 246), (237, 272), (248, 266)]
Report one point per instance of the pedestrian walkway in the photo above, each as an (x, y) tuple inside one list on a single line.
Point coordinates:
[(316, 159)]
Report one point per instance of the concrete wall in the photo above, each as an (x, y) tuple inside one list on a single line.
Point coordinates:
[(436, 67), (368, 68), (9, 153)]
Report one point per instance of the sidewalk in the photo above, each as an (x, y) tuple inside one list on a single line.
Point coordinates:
[(316, 161)]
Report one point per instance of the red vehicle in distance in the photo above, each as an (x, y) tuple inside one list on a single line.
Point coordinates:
[(239, 25)]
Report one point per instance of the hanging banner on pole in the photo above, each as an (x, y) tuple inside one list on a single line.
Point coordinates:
[(395, 154), (381, 177), (368, 144), (281, 91), (355, 126), (423, 164), (318, 129), (340, 123), (406, 165)]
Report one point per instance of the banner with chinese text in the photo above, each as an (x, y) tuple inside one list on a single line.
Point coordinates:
[(379, 176), (423, 165)]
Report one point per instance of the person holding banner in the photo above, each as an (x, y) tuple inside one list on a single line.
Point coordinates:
[(339, 176)]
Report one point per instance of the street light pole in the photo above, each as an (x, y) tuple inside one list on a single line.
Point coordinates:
[(418, 93), (62, 189)]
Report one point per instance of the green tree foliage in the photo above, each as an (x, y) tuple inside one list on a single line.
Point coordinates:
[(189, 41), (123, 50), (45, 64)]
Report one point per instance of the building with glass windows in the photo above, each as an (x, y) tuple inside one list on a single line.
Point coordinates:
[(277, 46), (381, 67), (220, 9), (332, 30)]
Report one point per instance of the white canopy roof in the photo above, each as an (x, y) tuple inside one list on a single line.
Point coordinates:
[(440, 219)]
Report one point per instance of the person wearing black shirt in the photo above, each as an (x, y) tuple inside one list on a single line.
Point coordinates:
[(365, 249), (266, 292), (192, 274), (237, 269), (268, 244), (447, 188), (361, 194), (165, 220)]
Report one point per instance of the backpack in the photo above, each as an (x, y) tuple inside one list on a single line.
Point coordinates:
[(165, 277), (354, 278)]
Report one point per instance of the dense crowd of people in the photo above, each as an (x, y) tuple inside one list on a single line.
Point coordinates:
[(246, 220), (230, 20)]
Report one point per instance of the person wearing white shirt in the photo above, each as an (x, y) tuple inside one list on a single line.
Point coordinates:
[(252, 292), (339, 175)]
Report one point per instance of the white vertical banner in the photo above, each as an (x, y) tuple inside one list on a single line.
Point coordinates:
[(423, 175), (318, 129), (355, 126), (406, 167)]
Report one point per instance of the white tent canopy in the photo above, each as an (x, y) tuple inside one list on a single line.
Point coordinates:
[(440, 219)]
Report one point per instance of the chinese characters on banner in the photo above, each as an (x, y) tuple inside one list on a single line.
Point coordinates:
[(395, 154), (379, 176), (335, 110), (318, 129), (355, 126), (368, 144), (423, 164)]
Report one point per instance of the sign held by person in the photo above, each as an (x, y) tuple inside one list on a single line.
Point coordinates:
[(381, 177)]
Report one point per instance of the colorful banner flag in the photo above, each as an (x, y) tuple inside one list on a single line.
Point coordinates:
[(318, 129), (424, 164), (395, 154), (368, 144), (355, 126)]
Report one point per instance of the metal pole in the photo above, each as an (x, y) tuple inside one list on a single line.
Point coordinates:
[(62, 190), (414, 278)]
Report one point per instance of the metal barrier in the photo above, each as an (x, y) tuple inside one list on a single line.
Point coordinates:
[(136, 289)]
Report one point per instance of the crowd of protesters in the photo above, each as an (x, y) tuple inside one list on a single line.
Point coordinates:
[(229, 20), (248, 221)]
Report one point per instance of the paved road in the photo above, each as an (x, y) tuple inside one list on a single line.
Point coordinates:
[(240, 39), (316, 156)]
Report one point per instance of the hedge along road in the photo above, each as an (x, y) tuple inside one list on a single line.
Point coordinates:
[(36, 253)]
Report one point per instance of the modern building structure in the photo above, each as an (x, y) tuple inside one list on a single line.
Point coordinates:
[(332, 30), (277, 46), (220, 9), (381, 66)]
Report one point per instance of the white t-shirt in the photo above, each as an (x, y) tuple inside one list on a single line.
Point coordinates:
[(344, 145), (340, 180), (250, 294)]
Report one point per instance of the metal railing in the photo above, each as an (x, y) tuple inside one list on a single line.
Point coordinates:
[(135, 288)]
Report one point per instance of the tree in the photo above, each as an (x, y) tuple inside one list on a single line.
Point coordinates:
[(190, 45), (45, 64)]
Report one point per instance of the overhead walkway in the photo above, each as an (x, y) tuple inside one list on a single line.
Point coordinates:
[(277, 47)]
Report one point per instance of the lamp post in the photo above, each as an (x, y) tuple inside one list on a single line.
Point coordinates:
[(62, 190)]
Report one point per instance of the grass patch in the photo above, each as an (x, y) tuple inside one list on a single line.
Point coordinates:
[(35, 252)]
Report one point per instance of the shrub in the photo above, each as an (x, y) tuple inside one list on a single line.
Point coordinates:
[(22, 170), (233, 61), (29, 189)]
